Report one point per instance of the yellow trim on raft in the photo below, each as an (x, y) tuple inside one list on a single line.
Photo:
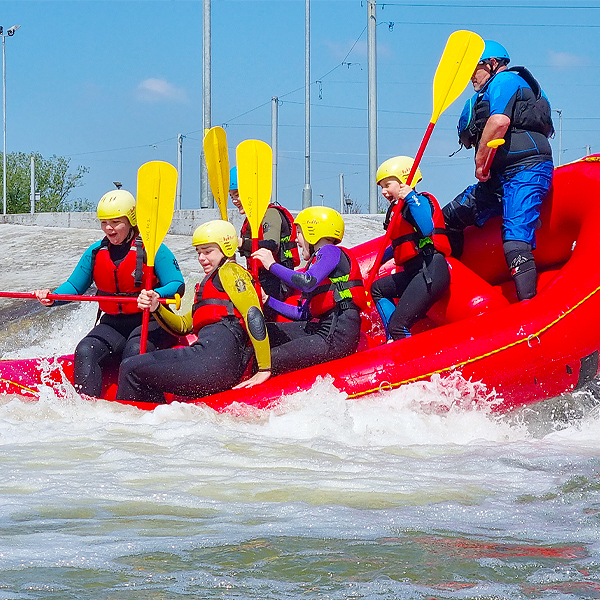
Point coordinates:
[(528, 339), (24, 387)]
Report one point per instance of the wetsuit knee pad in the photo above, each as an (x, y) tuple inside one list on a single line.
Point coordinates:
[(520, 261), (519, 256), (92, 349)]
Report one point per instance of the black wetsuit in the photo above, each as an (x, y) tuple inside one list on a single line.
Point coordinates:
[(117, 336)]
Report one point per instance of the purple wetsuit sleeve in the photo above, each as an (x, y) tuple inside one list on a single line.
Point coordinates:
[(289, 311), (326, 260)]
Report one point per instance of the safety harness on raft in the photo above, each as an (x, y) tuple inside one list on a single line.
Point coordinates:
[(531, 111), (342, 289), (212, 304), (408, 241)]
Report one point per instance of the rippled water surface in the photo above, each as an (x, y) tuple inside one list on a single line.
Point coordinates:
[(404, 495)]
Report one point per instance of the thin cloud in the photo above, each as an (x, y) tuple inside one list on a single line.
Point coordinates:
[(155, 90), (565, 60)]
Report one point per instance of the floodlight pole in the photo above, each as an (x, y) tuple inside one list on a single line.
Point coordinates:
[(274, 144), (206, 198), (372, 104), (10, 32), (307, 190), (180, 137)]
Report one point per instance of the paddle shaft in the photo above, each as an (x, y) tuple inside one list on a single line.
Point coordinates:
[(146, 314), (396, 211), (78, 298), (494, 144), (254, 264)]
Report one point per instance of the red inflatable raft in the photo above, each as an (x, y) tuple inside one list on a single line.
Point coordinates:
[(524, 351)]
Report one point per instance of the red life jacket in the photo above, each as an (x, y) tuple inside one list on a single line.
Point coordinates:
[(288, 255), (344, 287), (212, 305), (124, 279), (408, 241)]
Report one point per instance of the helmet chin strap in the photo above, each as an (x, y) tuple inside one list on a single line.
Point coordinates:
[(499, 64), (132, 233)]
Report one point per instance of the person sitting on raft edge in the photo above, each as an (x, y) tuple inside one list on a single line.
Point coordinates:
[(419, 245), (326, 324), (115, 265), (223, 317)]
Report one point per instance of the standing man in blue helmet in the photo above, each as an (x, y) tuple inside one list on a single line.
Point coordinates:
[(508, 104)]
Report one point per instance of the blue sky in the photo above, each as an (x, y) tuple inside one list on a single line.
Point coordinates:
[(111, 84)]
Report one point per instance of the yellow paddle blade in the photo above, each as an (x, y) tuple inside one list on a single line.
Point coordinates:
[(217, 165), (255, 175), (238, 285), (156, 188), (459, 59)]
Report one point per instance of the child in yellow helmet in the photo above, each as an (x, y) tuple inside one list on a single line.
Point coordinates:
[(225, 314), (115, 265), (326, 324), (419, 245)]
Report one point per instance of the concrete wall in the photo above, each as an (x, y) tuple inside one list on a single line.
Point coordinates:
[(184, 221)]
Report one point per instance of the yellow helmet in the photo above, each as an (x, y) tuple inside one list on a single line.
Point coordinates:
[(117, 203), (318, 222), (218, 232), (399, 167)]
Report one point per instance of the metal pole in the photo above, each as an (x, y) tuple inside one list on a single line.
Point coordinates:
[(179, 164), (4, 122), (206, 199), (588, 150), (372, 107), (307, 191), (559, 111), (342, 193), (9, 32), (274, 139), (32, 188)]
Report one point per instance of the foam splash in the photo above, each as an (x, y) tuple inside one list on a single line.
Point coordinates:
[(51, 336)]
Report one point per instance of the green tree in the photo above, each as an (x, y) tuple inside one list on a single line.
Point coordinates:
[(53, 182)]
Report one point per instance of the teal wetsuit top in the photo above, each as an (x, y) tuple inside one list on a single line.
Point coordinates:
[(166, 269)]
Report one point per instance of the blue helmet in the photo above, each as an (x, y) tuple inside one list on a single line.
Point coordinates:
[(233, 184), (494, 50)]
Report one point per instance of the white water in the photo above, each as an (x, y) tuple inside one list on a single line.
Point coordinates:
[(414, 494)]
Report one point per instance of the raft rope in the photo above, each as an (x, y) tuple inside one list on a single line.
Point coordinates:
[(23, 387), (387, 386)]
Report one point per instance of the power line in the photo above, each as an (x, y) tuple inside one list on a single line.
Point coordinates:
[(498, 6), (472, 25)]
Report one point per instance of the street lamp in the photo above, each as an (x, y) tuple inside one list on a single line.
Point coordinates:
[(9, 32)]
